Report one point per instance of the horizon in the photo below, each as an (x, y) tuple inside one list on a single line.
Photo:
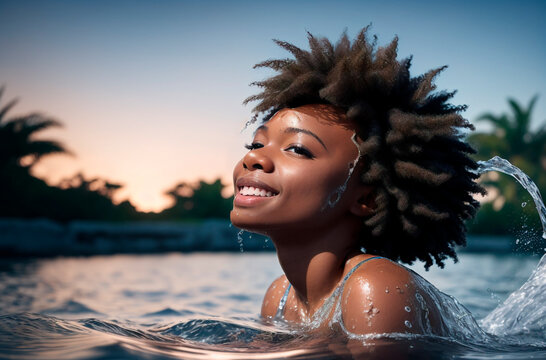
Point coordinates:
[(150, 93)]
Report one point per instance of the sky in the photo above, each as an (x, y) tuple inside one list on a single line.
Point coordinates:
[(150, 92)]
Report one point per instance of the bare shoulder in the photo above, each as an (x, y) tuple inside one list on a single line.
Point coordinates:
[(380, 297), (273, 296)]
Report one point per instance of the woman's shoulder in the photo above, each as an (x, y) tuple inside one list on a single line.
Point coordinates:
[(273, 296), (380, 297), (377, 268)]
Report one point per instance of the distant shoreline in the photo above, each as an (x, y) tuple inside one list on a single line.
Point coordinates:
[(46, 238)]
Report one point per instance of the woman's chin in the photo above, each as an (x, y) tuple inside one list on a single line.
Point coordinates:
[(242, 223), (238, 221)]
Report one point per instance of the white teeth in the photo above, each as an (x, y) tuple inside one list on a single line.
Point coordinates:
[(254, 191)]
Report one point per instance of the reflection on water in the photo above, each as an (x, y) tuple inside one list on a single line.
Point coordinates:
[(204, 306)]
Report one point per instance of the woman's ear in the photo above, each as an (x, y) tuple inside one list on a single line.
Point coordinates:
[(364, 205)]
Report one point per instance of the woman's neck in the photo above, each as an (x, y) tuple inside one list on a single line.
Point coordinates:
[(314, 262)]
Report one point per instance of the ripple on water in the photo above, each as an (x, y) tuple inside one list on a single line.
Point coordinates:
[(169, 312), (71, 307), (143, 294), (237, 297)]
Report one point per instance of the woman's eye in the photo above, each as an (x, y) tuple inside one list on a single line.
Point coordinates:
[(300, 150), (254, 146)]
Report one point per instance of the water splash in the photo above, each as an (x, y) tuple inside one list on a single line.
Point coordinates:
[(499, 164), (523, 313), (341, 189)]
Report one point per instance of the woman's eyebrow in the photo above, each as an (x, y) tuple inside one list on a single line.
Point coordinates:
[(294, 130), (260, 128)]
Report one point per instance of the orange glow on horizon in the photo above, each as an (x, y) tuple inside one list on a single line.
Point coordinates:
[(146, 192)]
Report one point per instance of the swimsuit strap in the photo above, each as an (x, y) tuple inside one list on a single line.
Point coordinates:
[(282, 302), (356, 267)]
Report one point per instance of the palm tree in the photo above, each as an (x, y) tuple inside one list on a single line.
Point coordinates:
[(511, 138), (18, 148)]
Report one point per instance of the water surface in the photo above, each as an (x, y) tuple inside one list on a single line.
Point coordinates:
[(201, 306)]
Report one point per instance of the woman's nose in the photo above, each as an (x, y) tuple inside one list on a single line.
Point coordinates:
[(257, 160)]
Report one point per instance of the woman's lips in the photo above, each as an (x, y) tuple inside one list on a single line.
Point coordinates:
[(251, 191)]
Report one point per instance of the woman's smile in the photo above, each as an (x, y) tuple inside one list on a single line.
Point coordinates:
[(252, 191)]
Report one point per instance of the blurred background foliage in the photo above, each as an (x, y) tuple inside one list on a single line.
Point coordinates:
[(77, 198), (509, 208)]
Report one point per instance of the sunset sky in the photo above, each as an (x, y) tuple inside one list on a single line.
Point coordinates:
[(150, 92)]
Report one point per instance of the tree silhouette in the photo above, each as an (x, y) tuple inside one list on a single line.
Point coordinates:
[(203, 200), (98, 185), (17, 144), (23, 195)]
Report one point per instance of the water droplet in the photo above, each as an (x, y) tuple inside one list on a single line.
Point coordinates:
[(387, 290), (240, 240), (408, 324), (523, 204), (407, 308), (517, 241), (400, 291)]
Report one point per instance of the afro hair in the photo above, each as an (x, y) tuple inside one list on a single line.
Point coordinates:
[(413, 146)]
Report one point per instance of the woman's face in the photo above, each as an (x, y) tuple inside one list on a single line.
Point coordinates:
[(293, 171)]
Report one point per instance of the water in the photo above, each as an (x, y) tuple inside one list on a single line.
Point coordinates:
[(203, 306)]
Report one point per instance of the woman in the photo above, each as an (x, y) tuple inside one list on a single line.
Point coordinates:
[(355, 154)]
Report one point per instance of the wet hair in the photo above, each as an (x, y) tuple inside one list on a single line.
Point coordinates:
[(413, 145)]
